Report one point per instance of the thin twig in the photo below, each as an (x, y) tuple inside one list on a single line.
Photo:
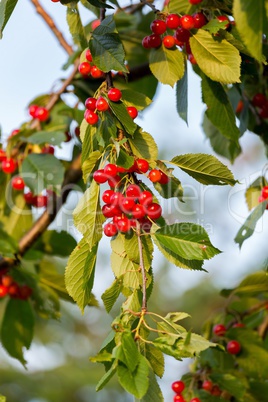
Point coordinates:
[(49, 21), (142, 267), (149, 4)]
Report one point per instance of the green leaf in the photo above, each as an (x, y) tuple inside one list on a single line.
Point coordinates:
[(136, 382), (106, 378), (17, 328), (8, 246), (182, 96), (49, 137), (121, 113), (167, 65), (89, 164), (253, 193), (124, 159), (229, 383), (143, 145), (87, 215), (205, 168), (214, 25), (127, 351), (188, 240), (106, 47), (42, 171), (134, 98), (220, 61), (75, 26), (2, 398), (6, 9), (79, 274), (249, 19), (156, 359), (99, 4), (57, 243), (179, 6), (219, 109), (248, 228), (20, 219), (111, 294), (153, 393), (88, 138), (177, 260), (173, 188)]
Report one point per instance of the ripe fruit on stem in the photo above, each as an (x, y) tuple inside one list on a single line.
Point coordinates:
[(178, 398), (178, 386), (233, 347), (155, 175), (219, 330), (143, 166), (110, 170), (114, 94), (91, 117), (169, 41), (90, 103), (158, 27), (207, 385), (9, 165), (154, 211), (3, 291), (173, 21), (42, 114), (110, 229), (84, 68), (17, 183), (99, 176), (102, 104), (187, 21)]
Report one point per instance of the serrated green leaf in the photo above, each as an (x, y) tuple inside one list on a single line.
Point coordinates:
[(143, 145), (182, 96), (248, 228), (167, 65), (75, 26), (153, 393), (89, 139), (111, 294), (106, 378), (214, 25), (205, 168), (132, 249), (179, 6), (89, 164), (188, 240), (249, 20), (177, 260), (42, 171), (253, 192), (6, 9), (79, 274), (121, 113), (87, 215), (135, 382), (124, 159), (134, 98), (156, 359), (46, 137), (127, 352), (220, 61), (17, 328), (57, 243), (219, 109)]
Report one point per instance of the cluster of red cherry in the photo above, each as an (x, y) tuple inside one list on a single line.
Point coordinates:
[(130, 205), (93, 106), (264, 195), (88, 68), (233, 347), (39, 112), (8, 287), (178, 387), (260, 101)]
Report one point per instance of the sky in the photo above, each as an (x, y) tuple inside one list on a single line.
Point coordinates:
[(30, 64)]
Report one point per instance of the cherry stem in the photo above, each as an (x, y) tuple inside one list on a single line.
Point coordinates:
[(149, 4), (49, 21), (142, 267)]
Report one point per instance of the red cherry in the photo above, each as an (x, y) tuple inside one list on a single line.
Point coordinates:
[(17, 183), (55, 1), (13, 290), (154, 211), (14, 132), (110, 230), (133, 190), (127, 204), (263, 113), (207, 385), (178, 398), (262, 199), (132, 111), (155, 175), (259, 100), (110, 170), (77, 131), (114, 181), (25, 292), (114, 94), (84, 68), (102, 104), (164, 178), (195, 400), (178, 386), (146, 224), (90, 103), (32, 110), (106, 196), (158, 27), (138, 211), (7, 280), (95, 24), (88, 55), (233, 347), (3, 291), (195, 1), (96, 72), (222, 18), (173, 21), (216, 391), (146, 198), (9, 165), (48, 149), (187, 21), (124, 225), (239, 325), (154, 41), (29, 198), (42, 114), (192, 59), (169, 41), (182, 35), (3, 155), (99, 176), (219, 329), (142, 165), (91, 117), (120, 169), (116, 198), (146, 42), (39, 201), (199, 20), (264, 192), (110, 210)]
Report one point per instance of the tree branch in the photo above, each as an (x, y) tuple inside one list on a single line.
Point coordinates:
[(49, 21)]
